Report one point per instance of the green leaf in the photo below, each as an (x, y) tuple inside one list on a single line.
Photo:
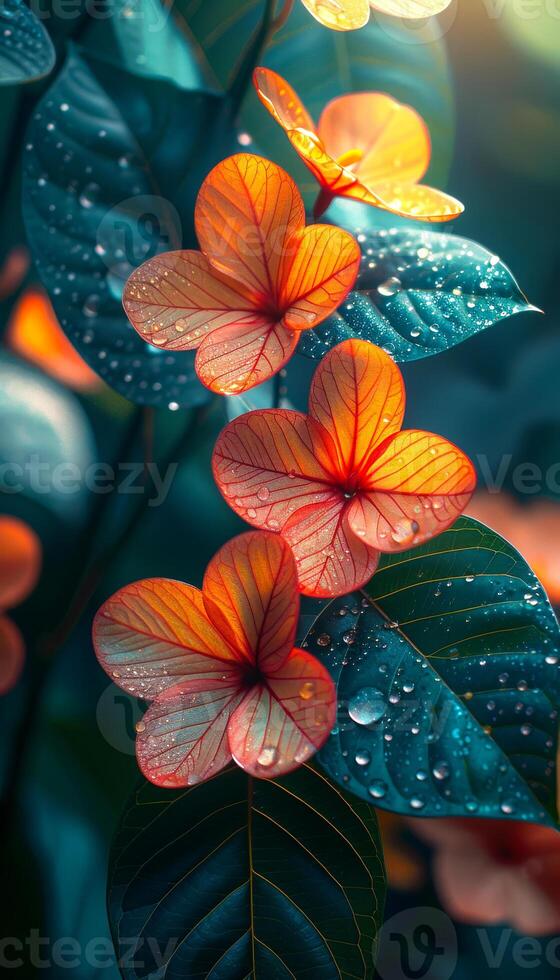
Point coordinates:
[(408, 62), (448, 677), (45, 440), (419, 293), (26, 51), (113, 165), (142, 36), (239, 877)]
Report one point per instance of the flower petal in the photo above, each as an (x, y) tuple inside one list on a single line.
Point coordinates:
[(418, 485), (153, 634), (268, 463), (391, 138), (414, 9), (240, 356), (340, 15), (326, 170), (252, 583), (20, 561), (330, 559), (247, 212), (322, 273), (12, 654), (416, 201), (182, 738), (281, 100), (35, 334), (174, 300), (277, 727), (358, 396)]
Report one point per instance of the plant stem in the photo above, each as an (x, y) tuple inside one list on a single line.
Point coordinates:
[(250, 58), (282, 17)]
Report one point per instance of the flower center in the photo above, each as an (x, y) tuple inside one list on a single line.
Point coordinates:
[(350, 157), (252, 676)]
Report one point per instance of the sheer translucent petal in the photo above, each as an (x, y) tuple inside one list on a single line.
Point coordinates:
[(235, 358), (277, 727), (331, 560), (357, 394), (247, 213), (252, 582), (269, 463), (182, 738), (153, 634), (322, 273), (176, 299), (391, 138)]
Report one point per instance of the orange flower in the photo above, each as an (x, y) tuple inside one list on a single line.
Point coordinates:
[(260, 278), (220, 667), (20, 562), (35, 334), (366, 147), (343, 483), (347, 15), (534, 529), (496, 871)]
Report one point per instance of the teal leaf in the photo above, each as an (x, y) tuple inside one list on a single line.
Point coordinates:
[(26, 51), (239, 877), (45, 440), (142, 36), (419, 293), (408, 62), (112, 168), (448, 674)]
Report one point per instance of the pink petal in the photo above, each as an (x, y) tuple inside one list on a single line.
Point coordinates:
[(278, 726), (153, 634), (267, 464), (182, 738), (330, 559), (237, 357)]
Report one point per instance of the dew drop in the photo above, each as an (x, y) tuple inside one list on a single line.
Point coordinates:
[(367, 706), (377, 789)]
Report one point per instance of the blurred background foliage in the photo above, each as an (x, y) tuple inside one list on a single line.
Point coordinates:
[(490, 91)]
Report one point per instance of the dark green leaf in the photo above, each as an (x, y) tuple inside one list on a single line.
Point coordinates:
[(45, 439), (26, 51), (448, 678), (240, 877), (420, 293), (112, 168), (408, 62)]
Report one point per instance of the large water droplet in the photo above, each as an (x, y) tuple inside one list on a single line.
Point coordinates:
[(390, 287), (367, 706), (377, 789)]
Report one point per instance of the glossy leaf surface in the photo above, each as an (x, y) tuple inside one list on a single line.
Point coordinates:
[(105, 188), (448, 677), (242, 877), (419, 293), (26, 50)]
